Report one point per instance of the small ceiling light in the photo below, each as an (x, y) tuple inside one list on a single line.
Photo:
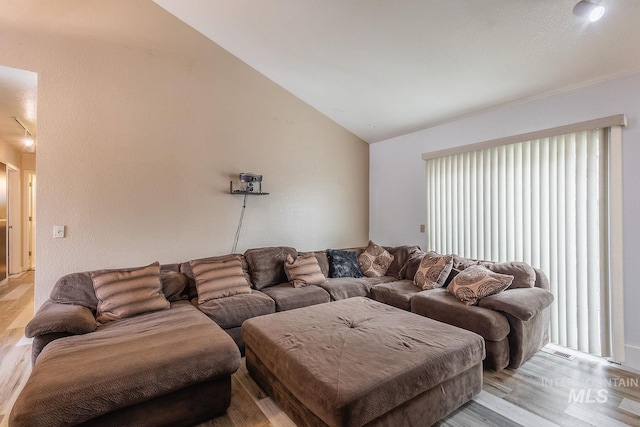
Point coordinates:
[(588, 10), (28, 140)]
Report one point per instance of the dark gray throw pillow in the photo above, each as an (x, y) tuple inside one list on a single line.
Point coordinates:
[(343, 263)]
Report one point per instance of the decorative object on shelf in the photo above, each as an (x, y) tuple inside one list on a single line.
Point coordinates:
[(247, 187), (589, 10), (247, 184)]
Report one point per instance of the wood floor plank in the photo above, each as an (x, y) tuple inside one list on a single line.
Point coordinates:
[(16, 293), (630, 406), (274, 414), (595, 418), (513, 412), (23, 318)]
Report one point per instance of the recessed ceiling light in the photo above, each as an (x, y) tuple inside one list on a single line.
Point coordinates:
[(589, 10)]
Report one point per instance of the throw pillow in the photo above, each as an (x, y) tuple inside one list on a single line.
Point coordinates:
[(128, 292), (433, 271), (343, 263), (219, 279), (266, 265), (375, 260), (476, 282), (410, 267), (304, 270), (524, 276), (173, 284)]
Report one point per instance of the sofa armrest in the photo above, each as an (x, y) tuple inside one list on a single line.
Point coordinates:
[(542, 281), (521, 303), (54, 317)]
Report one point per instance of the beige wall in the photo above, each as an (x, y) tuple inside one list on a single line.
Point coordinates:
[(28, 161), (136, 147)]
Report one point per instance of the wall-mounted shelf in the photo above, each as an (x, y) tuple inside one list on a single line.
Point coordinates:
[(247, 192), (250, 193)]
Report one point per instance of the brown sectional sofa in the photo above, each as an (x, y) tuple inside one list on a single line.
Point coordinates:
[(514, 324)]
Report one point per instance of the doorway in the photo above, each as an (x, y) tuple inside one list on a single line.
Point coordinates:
[(29, 219), (14, 241)]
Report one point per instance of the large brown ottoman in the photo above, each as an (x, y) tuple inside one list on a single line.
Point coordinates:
[(359, 362)]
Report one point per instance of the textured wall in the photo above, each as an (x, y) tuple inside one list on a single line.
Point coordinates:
[(136, 146), (396, 164)]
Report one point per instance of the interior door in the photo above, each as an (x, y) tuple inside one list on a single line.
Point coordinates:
[(3, 222), (31, 220), (14, 247)]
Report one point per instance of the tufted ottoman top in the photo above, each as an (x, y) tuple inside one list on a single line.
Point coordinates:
[(351, 361)]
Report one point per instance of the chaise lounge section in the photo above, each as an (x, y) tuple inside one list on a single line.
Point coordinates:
[(170, 366)]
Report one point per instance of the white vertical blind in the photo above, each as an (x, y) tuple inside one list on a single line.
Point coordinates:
[(543, 202)]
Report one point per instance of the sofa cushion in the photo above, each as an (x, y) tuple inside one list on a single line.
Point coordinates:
[(409, 269), (287, 297), (230, 312), (397, 293), (304, 270), (128, 292), (460, 263), (53, 317), (401, 255), (438, 304), (219, 279), (343, 263), (266, 265), (173, 285), (75, 288), (521, 303), (476, 282), (524, 276), (375, 260), (346, 287), (433, 271)]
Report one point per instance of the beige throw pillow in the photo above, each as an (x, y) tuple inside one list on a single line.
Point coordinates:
[(304, 270), (128, 292), (476, 282), (375, 260), (219, 279), (433, 271)]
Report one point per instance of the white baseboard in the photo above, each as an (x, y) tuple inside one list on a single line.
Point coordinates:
[(632, 357)]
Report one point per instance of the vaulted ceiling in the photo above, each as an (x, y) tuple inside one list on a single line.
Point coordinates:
[(18, 103), (382, 68)]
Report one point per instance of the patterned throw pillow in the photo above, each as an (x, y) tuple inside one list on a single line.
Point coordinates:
[(128, 292), (433, 271), (375, 260), (476, 282), (343, 263), (304, 270), (219, 279)]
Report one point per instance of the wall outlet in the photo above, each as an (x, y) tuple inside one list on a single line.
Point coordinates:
[(58, 231), (422, 228)]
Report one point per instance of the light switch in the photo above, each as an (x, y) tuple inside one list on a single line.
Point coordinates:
[(58, 231), (422, 228)]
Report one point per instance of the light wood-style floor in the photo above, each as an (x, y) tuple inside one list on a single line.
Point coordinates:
[(545, 391)]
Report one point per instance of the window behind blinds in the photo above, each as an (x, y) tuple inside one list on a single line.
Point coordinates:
[(542, 201)]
